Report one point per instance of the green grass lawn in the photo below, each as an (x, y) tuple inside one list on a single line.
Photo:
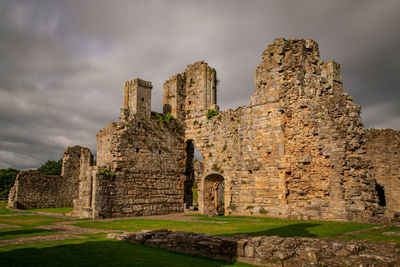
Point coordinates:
[(29, 220), (234, 225), (21, 232), (4, 210), (377, 236), (98, 251), (3, 203), (54, 210), (28, 226)]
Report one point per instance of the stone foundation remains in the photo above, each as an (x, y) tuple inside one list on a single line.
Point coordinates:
[(270, 250), (299, 150)]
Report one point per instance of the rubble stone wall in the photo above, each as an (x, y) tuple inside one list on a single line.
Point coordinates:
[(325, 175), (270, 250), (36, 190), (299, 150), (383, 149), (147, 168), (141, 164), (83, 204), (296, 151)]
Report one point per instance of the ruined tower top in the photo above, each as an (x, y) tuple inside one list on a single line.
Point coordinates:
[(298, 61), (190, 93), (137, 98)]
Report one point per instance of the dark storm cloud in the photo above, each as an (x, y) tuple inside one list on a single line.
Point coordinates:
[(63, 63)]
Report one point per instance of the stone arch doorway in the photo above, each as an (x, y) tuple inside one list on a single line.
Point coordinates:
[(214, 195)]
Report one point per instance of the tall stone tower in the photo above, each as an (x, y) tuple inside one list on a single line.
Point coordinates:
[(191, 93), (137, 98)]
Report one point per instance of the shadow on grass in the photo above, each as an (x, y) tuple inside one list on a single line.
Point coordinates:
[(23, 232), (291, 230), (103, 253)]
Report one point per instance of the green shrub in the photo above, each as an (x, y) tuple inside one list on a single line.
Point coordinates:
[(211, 113), (165, 119), (106, 172), (263, 211), (215, 167)]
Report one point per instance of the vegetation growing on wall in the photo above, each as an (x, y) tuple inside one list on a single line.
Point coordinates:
[(211, 113), (106, 172), (165, 119)]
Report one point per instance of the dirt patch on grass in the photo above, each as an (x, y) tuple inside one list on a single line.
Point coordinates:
[(35, 239), (2, 226)]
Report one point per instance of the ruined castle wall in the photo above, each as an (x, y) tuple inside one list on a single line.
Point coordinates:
[(243, 146), (296, 151), (146, 170), (71, 170), (325, 175), (383, 149), (103, 139), (84, 202), (36, 190)]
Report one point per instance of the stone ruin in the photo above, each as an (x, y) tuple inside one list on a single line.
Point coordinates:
[(299, 150)]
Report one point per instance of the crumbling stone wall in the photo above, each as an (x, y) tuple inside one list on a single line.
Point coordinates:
[(324, 175), (36, 190), (383, 149), (147, 170), (297, 151), (85, 200), (270, 250), (141, 168)]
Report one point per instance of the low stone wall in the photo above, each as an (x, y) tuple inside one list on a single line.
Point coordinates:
[(36, 190), (270, 250)]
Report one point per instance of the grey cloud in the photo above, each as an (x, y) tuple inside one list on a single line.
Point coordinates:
[(63, 63)]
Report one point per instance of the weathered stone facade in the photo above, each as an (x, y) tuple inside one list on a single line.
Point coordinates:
[(33, 189), (270, 250), (296, 151), (383, 149), (299, 150), (140, 164)]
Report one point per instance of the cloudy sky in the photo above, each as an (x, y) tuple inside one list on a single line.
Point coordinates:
[(63, 63)]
